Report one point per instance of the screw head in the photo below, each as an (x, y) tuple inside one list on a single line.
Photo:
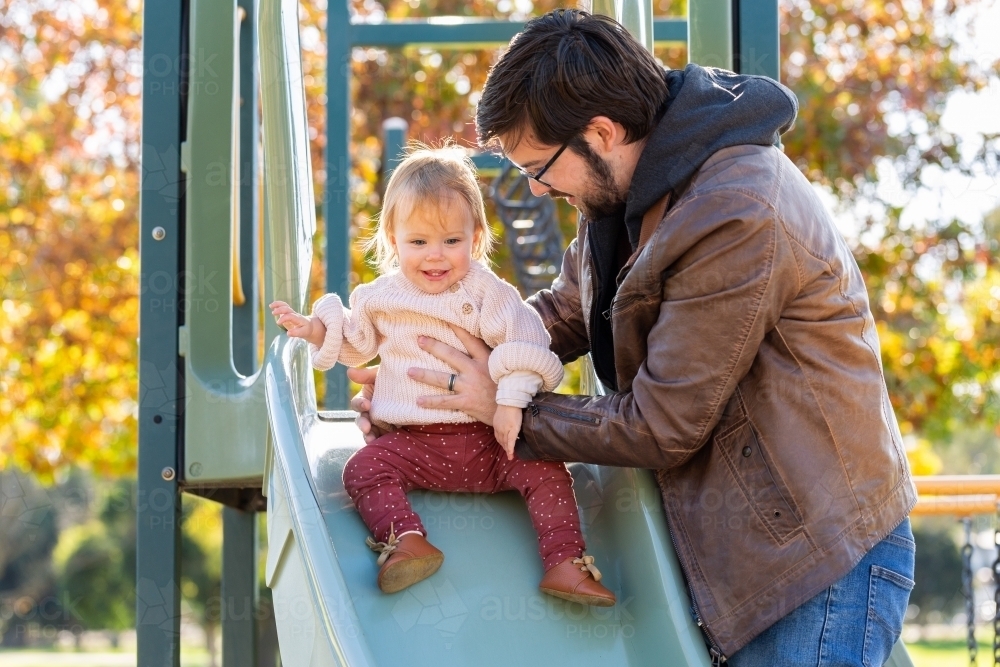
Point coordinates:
[(159, 233), (168, 473)]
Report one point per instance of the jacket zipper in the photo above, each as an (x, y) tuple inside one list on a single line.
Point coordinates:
[(714, 651), (535, 408), (621, 303)]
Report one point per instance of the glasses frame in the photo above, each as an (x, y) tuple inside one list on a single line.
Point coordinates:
[(537, 176)]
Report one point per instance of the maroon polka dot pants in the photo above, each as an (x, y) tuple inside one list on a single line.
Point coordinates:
[(465, 458)]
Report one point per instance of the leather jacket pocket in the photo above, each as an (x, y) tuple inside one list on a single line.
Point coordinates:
[(768, 495)]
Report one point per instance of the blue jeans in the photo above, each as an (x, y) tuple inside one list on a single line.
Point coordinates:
[(854, 622)]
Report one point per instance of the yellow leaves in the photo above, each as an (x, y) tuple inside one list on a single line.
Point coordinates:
[(46, 352), (32, 144), (923, 460), (203, 524), (76, 324), (947, 354)]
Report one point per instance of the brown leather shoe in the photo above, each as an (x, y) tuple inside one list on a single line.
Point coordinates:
[(577, 580), (405, 561)]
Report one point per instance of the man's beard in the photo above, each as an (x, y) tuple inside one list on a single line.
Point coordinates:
[(603, 198)]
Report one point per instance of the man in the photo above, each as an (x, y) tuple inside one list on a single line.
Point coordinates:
[(730, 325)]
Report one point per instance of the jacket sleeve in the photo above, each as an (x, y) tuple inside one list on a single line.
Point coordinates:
[(721, 295), (351, 337), (517, 336), (560, 310)]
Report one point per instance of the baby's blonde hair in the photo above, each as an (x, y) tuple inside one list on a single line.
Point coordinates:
[(429, 174)]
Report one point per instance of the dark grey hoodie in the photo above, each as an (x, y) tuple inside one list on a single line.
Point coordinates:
[(707, 109)]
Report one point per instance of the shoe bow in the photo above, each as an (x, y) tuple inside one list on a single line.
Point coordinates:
[(588, 564), (384, 549)]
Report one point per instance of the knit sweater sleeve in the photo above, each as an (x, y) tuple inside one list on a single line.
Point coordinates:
[(351, 337), (518, 338)]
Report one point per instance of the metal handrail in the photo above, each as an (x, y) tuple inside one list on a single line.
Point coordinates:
[(956, 495), (957, 485), (291, 398)]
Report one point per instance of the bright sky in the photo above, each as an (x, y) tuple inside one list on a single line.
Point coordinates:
[(950, 194)]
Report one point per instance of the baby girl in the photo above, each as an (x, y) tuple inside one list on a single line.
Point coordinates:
[(432, 245)]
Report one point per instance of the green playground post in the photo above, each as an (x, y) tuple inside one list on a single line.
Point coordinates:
[(757, 50), (710, 33), (739, 35), (336, 189), (239, 588), (158, 502), (393, 144)]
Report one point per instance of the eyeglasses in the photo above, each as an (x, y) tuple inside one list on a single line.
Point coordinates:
[(537, 176)]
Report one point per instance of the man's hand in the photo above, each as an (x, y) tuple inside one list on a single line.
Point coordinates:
[(362, 403), (506, 426), (474, 391), (299, 326)]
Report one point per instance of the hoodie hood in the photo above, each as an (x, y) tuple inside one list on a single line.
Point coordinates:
[(707, 109)]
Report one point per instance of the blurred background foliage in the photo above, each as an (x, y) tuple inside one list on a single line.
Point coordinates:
[(873, 78)]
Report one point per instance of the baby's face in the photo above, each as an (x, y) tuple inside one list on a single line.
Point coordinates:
[(434, 243)]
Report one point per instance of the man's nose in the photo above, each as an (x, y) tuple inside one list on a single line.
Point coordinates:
[(537, 189)]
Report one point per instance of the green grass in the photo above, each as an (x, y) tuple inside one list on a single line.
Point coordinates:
[(948, 653), (67, 658)]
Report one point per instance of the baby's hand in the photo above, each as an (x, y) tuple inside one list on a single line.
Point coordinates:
[(506, 426), (299, 326)]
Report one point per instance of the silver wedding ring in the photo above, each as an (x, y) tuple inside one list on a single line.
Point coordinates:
[(451, 382)]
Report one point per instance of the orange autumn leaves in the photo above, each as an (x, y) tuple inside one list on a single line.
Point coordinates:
[(70, 84), (69, 147)]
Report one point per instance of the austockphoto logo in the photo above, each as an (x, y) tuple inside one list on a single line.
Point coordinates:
[(454, 511), (462, 512), (55, 611), (298, 615), (164, 74), (578, 620), (20, 282), (187, 283), (434, 606), (161, 174), (24, 502), (155, 604)]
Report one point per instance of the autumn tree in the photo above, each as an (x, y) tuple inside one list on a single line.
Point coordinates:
[(872, 77), (873, 81), (69, 174)]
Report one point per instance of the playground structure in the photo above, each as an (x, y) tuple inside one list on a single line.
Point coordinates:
[(217, 421)]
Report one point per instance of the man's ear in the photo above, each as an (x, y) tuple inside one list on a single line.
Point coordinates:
[(604, 134)]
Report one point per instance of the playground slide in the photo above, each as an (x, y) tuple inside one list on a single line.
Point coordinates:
[(483, 606)]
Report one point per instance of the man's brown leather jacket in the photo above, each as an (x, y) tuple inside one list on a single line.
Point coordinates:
[(749, 378)]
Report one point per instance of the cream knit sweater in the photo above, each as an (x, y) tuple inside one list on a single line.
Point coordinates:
[(388, 314)]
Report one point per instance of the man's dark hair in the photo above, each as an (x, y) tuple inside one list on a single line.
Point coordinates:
[(563, 69)]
